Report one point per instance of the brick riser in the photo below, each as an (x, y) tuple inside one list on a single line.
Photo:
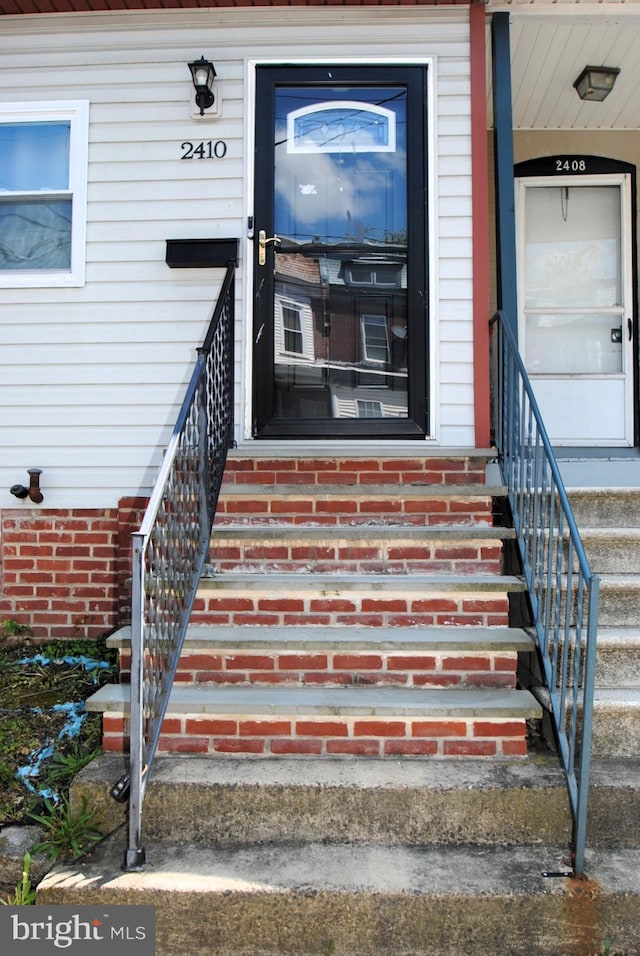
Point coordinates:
[(354, 471), (393, 558), (335, 736), (340, 669), (434, 512)]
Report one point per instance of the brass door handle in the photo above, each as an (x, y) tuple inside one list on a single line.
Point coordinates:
[(263, 242)]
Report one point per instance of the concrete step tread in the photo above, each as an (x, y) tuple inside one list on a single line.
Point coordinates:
[(432, 871), (353, 638), (538, 771), (342, 701), (346, 581), (618, 637)]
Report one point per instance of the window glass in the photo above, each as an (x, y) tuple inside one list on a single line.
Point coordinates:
[(34, 156), (43, 179)]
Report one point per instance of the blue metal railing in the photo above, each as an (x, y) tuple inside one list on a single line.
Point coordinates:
[(171, 548), (563, 592)]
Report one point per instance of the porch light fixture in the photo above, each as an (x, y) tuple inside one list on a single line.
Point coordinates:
[(596, 82), (203, 74)]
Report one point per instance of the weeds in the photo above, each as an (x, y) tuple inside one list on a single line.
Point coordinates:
[(24, 893), (69, 834)]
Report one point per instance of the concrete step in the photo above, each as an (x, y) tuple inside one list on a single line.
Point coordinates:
[(510, 802), (612, 550), (619, 600), (346, 721), (312, 899), (605, 507), (616, 722), (362, 549), (438, 656), (618, 658), (395, 600)]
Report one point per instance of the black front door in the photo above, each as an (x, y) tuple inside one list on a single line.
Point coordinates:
[(340, 310)]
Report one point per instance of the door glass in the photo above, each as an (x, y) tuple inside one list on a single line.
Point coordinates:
[(340, 254), (573, 280)]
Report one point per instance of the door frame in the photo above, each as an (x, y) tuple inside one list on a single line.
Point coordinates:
[(252, 66), (582, 170)]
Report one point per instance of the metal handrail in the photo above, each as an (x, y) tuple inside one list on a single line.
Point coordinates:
[(564, 594), (171, 548)]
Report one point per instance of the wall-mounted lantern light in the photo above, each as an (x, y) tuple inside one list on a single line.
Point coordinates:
[(203, 74), (596, 82)]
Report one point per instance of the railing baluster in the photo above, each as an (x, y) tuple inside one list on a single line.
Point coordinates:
[(563, 592)]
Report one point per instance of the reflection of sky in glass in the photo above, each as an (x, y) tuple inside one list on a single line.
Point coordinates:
[(343, 196), (34, 156)]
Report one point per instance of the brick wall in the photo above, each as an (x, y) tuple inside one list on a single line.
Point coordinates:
[(63, 572)]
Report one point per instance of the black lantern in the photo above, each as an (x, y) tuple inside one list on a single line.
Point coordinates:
[(596, 82), (203, 74)]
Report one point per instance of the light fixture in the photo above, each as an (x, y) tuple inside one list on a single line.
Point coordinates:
[(203, 74), (596, 82)]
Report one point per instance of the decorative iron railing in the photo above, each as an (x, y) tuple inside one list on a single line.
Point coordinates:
[(563, 592), (171, 548)]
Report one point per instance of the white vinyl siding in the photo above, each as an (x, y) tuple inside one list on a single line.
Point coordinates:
[(92, 377)]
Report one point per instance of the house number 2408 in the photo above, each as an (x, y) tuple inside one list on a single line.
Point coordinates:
[(204, 150)]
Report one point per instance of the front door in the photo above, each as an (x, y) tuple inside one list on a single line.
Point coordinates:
[(576, 316), (340, 311)]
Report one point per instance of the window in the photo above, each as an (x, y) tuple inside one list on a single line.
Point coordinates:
[(292, 325), (375, 341), (43, 178), (368, 409)]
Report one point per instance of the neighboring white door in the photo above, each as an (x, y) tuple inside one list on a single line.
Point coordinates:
[(575, 293)]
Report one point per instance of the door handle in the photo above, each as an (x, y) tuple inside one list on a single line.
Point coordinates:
[(263, 242)]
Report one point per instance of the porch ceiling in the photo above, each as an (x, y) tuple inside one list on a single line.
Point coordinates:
[(551, 42)]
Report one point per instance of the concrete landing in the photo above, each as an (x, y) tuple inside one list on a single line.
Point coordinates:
[(354, 900)]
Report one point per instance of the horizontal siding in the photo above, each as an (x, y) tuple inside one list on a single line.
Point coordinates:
[(92, 377)]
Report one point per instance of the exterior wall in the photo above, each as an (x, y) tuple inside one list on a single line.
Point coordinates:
[(92, 377)]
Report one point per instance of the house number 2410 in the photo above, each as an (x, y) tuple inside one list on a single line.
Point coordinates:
[(204, 150)]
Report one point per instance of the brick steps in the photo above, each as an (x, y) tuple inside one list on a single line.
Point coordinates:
[(353, 721), (345, 505), (376, 600), (385, 549), (434, 657)]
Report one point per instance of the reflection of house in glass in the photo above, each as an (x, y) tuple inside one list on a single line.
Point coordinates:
[(340, 336)]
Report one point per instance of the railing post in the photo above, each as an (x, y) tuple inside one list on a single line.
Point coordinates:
[(580, 828), (135, 854)]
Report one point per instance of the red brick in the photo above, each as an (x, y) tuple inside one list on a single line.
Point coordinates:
[(313, 662), (379, 728), (287, 746), (171, 725), (434, 605), (416, 748), (194, 662), (407, 662), (388, 604), (331, 605), (245, 662), (321, 728), (183, 745), (470, 748), (236, 745), (350, 662), (466, 664), (362, 747), (498, 728), (267, 619), (438, 728), (514, 748), (206, 727), (263, 728), (281, 604)]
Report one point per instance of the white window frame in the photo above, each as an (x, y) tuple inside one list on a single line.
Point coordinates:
[(76, 112)]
